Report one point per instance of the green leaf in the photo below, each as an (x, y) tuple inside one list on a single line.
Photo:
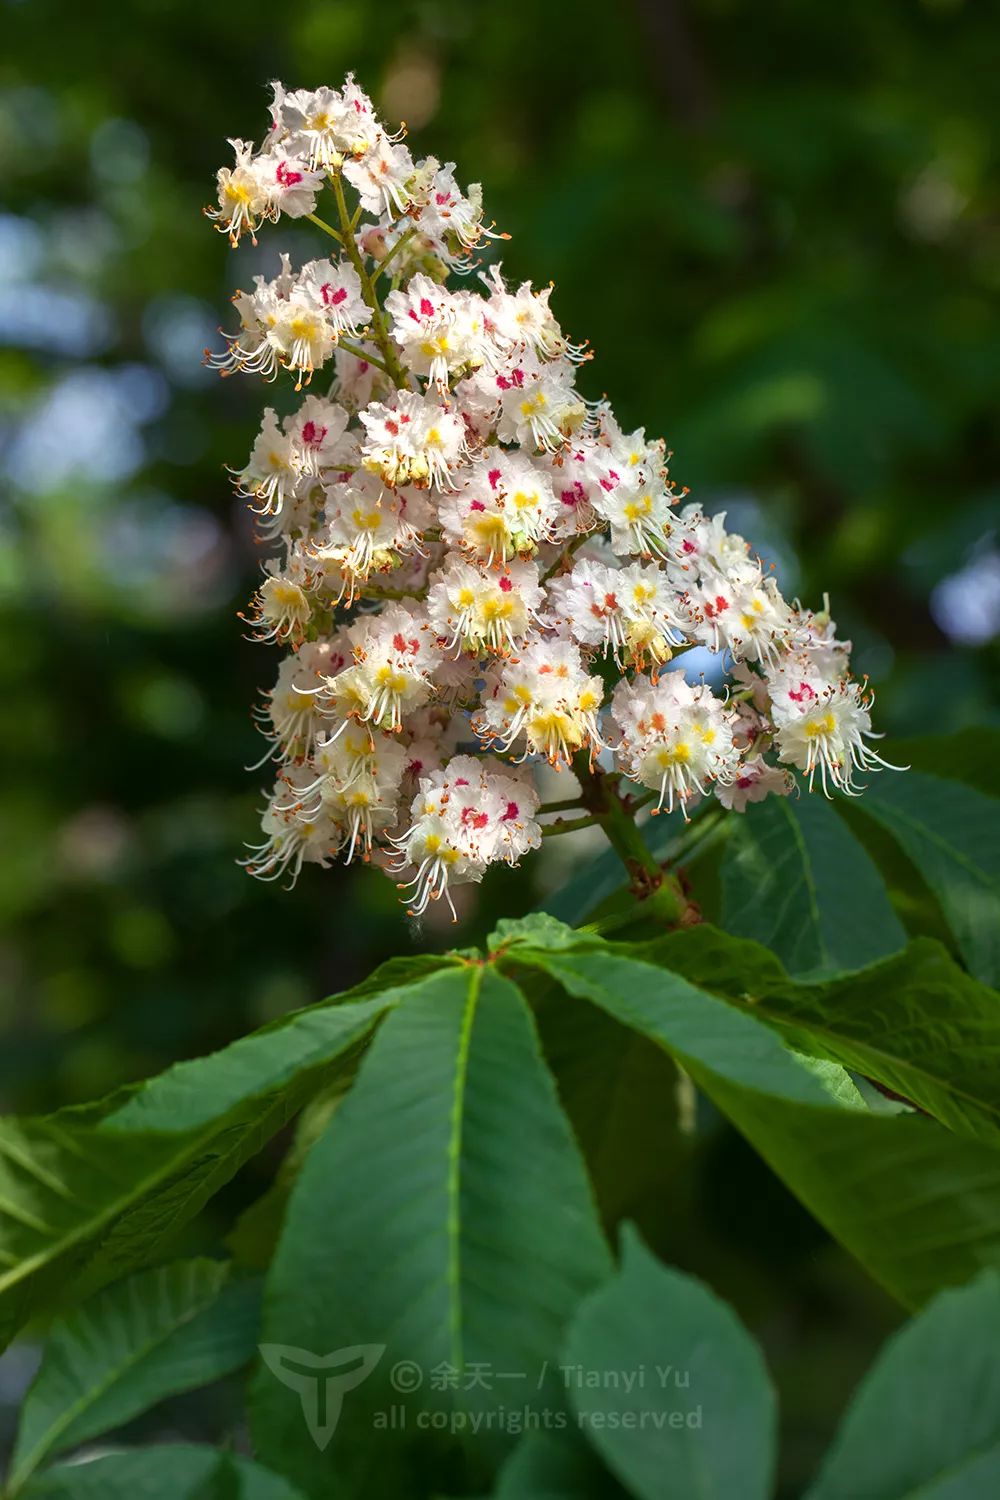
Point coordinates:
[(109, 1187), (555, 1465), (796, 879), (925, 1421), (971, 756), (695, 1374), (162, 1472), (538, 928), (254, 1237), (620, 1093), (146, 1338), (916, 1023), (444, 1215), (951, 833), (918, 1206)]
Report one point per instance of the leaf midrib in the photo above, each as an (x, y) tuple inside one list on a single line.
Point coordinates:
[(454, 1178)]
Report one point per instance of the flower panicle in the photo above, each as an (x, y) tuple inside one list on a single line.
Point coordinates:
[(476, 571)]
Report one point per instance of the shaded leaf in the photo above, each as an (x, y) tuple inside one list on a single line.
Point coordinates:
[(951, 833), (916, 1023), (702, 1376), (165, 1471), (158, 1333), (112, 1190), (620, 1093), (925, 1421), (918, 1206), (555, 1465), (796, 879)]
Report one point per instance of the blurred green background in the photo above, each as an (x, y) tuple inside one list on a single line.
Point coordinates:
[(778, 226)]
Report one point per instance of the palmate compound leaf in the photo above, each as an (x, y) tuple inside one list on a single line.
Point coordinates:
[(97, 1193), (918, 1205), (444, 1217), (796, 879), (668, 1386), (163, 1331), (182, 1471), (925, 1421)]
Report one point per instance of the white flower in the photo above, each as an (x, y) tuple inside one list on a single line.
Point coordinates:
[(437, 331), (475, 609), (638, 513), (289, 839), (394, 661), (754, 781), (822, 726), (745, 614), (539, 408), (505, 508), (290, 186), (450, 220), (335, 290), (311, 121), (465, 817), (674, 738), (358, 776), (317, 432), (523, 320), (273, 469), (412, 440), (545, 695), (302, 337), (244, 200), (632, 612), (366, 527), (292, 719), (380, 177), (282, 602)]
